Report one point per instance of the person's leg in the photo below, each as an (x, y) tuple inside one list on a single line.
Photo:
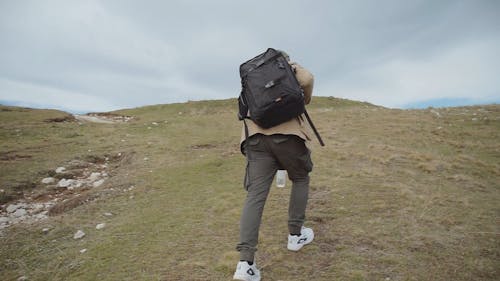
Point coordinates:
[(261, 168), (295, 157), (297, 206)]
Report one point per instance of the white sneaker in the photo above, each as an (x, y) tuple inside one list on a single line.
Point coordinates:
[(246, 272), (296, 243)]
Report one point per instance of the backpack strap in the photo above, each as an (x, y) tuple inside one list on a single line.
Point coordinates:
[(314, 128)]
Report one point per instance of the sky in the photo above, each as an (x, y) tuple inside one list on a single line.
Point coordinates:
[(91, 55)]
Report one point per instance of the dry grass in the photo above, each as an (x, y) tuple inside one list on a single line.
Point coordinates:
[(395, 195)]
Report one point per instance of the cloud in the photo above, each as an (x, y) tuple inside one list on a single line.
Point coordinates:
[(128, 53), (463, 72)]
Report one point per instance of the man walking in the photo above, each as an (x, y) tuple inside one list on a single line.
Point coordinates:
[(268, 150)]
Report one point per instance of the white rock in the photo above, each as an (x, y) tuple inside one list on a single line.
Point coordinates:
[(20, 213), (94, 176), (83, 251), (79, 234), (45, 230), (22, 278), (48, 180), (65, 183), (40, 216), (100, 226), (60, 170), (98, 183), (12, 208), (108, 214), (37, 207)]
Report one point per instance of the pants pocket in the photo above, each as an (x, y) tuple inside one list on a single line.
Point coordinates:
[(306, 161)]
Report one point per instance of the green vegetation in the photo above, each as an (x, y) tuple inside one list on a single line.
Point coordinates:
[(395, 195)]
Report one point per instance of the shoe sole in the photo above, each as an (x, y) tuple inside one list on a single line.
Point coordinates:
[(242, 278)]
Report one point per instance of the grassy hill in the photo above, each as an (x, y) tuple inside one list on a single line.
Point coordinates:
[(395, 195)]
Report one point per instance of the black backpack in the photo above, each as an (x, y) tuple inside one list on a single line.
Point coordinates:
[(270, 90)]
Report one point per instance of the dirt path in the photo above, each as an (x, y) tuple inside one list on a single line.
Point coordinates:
[(105, 118), (94, 119)]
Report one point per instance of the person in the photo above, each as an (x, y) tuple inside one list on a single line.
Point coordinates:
[(282, 147)]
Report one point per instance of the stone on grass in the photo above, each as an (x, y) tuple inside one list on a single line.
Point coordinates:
[(94, 176), (64, 183), (79, 234), (48, 180), (100, 226), (12, 208), (98, 183), (60, 170), (20, 213)]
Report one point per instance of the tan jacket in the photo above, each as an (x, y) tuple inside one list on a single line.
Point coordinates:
[(296, 126)]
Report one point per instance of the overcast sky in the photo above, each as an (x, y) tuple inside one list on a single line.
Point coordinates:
[(92, 55)]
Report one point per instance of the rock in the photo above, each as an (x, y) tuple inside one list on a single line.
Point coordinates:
[(60, 170), (78, 183), (94, 176), (37, 207), (108, 214), (65, 183), (98, 183), (79, 234), (100, 226), (20, 213), (4, 220), (83, 251), (12, 208), (40, 216), (48, 180), (22, 278), (46, 230)]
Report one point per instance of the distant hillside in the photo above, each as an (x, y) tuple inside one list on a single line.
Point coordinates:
[(395, 195)]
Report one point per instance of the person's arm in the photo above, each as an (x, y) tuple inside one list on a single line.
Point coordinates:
[(306, 81)]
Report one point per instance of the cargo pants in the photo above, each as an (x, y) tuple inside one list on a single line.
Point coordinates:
[(266, 155)]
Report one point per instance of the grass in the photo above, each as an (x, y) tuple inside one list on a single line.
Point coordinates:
[(395, 195)]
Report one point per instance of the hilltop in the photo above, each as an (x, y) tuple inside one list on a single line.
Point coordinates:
[(395, 195)]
